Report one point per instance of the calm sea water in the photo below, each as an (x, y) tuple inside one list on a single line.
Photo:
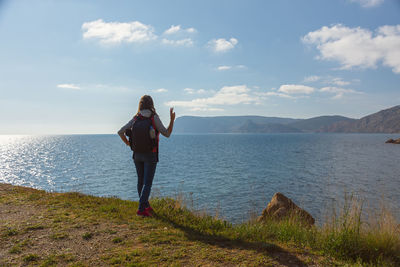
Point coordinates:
[(231, 174)]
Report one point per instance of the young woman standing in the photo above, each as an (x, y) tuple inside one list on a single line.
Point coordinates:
[(146, 162)]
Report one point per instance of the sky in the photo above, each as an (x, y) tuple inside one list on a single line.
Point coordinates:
[(79, 66)]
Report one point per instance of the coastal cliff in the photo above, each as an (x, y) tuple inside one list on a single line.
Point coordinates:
[(384, 121)]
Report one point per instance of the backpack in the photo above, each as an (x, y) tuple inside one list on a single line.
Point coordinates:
[(139, 135)]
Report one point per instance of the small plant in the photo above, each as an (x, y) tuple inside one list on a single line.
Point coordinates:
[(110, 231), (117, 240), (15, 249), (135, 253), (109, 208), (59, 236), (10, 232), (57, 220), (35, 227), (65, 257), (33, 197), (115, 261), (49, 261), (31, 257), (87, 235)]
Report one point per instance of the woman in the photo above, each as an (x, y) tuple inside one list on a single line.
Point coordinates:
[(146, 162)]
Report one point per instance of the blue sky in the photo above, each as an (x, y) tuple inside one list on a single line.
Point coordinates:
[(81, 66)]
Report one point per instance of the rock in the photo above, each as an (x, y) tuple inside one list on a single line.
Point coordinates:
[(281, 207), (391, 141)]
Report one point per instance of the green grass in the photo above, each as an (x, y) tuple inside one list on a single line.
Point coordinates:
[(34, 227), (59, 236), (18, 247), (117, 240), (9, 231), (346, 237), (31, 257), (57, 260), (178, 236), (87, 235)]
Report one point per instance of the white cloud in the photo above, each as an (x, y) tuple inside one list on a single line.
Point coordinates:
[(118, 32), (331, 89), (189, 90), (161, 90), (368, 3), (227, 95), (181, 42), (207, 109), (132, 32), (339, 82), (224, 67), (222, 45), (69, 86), (339, 92), (326, 80), (312, 78), (192, 91), (300, 91), (241, 94), (173, 29), (266, 94), (295, 89), (178, 36), (177, 29), (358, 47)]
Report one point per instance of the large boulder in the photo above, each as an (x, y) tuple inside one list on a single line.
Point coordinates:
[(391, 141), (281, 207)]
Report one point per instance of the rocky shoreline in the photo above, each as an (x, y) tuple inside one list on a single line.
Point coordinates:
[(393, 141)]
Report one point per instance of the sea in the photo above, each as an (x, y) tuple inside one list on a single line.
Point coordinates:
[(230, 176)]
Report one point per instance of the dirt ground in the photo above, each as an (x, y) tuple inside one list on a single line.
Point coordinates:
[(39, 228)]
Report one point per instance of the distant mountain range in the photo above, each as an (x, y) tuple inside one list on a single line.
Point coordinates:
[(384, 121)]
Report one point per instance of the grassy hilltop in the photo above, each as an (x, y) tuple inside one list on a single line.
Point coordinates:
[(49, 229)]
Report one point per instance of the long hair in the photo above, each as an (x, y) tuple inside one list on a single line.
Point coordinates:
[(146, 102)]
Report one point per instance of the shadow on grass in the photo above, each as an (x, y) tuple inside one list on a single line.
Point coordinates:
[(277, 253)]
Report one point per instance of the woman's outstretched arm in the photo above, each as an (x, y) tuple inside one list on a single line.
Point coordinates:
[(171, 122), (161, 128)]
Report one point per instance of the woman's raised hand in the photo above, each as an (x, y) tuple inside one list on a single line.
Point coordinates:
[(172, 114)]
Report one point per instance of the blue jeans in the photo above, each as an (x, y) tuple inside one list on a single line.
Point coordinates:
[(146, 164)]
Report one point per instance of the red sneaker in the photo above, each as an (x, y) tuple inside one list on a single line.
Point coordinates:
[(144, 213), (149, 209)]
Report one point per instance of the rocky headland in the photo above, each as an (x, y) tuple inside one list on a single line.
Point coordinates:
[(71, 229)]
